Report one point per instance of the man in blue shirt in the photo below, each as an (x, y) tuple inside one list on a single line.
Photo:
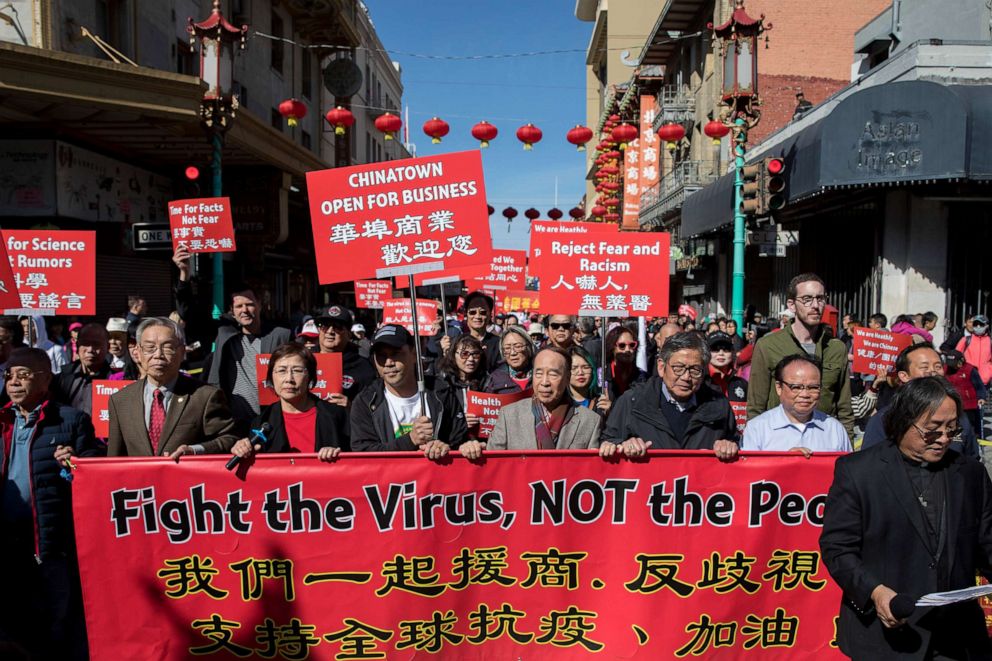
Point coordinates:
[(796, 425)]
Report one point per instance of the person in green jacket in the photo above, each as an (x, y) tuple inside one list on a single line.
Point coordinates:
[(806, 334)]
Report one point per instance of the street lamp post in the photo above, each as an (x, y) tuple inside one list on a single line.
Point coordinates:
[(739, 37), (217, 39)]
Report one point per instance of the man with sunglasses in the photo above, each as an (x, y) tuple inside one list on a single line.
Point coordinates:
[(671, 410), (804, 335), (561, 331), (335, 336), (796, 425)]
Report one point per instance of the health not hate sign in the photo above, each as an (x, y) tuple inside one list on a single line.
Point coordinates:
[(594, 273), (399, 217), (54, 270), (202, 225)]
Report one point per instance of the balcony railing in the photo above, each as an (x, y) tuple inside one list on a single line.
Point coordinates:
[(674, 103), (661, 201)]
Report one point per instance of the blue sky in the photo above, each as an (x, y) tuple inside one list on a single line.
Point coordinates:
[(548, 90)]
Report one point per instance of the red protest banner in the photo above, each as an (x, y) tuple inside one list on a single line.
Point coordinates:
[(54, 270), (740, 415), (202, 225), (329, 375), (487, 406), (877, 348), (397, 311), (680, 556), (625, 274), (100, 392), (9, 299), (372, 294), (507, 270), (399, 217), (525, 301)]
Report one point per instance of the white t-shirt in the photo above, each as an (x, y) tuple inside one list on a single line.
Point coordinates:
[(403, 411)]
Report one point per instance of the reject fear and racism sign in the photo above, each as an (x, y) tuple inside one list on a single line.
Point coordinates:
[(399, 217), (202, 225), (593, 273), (54, 271)]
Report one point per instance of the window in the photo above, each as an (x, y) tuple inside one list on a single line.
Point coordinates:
[(278, 47), (112, 24), (305, 140), (277, 120), (306, 74), (186, 59), (241, 92)]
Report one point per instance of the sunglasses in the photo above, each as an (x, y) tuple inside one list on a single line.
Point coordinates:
[(560, 326), (623, 346), (477, 312)]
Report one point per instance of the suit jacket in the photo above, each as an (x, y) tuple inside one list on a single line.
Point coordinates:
[(198, 413), (514, 429), (874, 533)]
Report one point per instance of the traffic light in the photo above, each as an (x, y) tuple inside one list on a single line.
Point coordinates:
[(773, 188), (751, 196), (191, 185)]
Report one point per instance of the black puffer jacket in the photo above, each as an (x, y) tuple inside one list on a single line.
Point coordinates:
[(50, 494), (372, 428)]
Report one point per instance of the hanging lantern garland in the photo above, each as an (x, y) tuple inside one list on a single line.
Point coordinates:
[(576, 213), (484, 132), (340, 118), (555, 214), (293, 110), (436, 128), (389, 124)]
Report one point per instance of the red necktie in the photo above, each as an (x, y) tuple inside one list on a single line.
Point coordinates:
[(157, 420)]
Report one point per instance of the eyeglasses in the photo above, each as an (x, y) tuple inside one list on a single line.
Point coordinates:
[(581, 369), (18, 375), (931, 436), (477, 312), (295, 371), (167, 350), (465, 355), (809, 300), (623, 346), (695, 371), (557, 326), (800, 387), (510, 349), (331, 325)]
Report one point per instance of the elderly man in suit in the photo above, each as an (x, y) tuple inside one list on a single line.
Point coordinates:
[(548, 421), (178, 415)]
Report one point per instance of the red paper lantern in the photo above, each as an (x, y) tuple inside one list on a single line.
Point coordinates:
[(529, 135), (555, 214), (613, 154), (579, 136), (672, 134), (489, 207), (614, 118), (340, 118), (436, 128), (611, 217), (610, 169), (509, 213), (623, 134), (389, 124), (293, 110), (484, 132), (611, 202), (532, 214), (716, 129), (576, 212), (611, 185), (600, 175), (598, 211)]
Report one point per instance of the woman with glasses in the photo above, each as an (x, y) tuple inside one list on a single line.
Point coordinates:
[(622, 371), (461, 369), (301, 422), (517, 352), (584, 384), (904, 519)]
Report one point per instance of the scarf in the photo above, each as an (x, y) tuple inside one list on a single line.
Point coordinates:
[(548, 424)]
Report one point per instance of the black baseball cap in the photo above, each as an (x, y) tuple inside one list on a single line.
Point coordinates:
[(719, 338), (338, 315), (393, 335)]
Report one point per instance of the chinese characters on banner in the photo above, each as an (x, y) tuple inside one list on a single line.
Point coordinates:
[(877, 348), (550, 555), (329, 375), (202, 225), (9, 300), (54, 270), (487, 406), (650, 149), (397, 311), (507, 270), (399, 217), (372, 294), (740, 415), (625, 274), (100, 392), (523, 300)]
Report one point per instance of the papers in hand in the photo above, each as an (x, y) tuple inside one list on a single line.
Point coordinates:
[(954, 596)]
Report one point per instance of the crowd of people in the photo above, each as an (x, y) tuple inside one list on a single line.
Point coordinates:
[(585, 383)]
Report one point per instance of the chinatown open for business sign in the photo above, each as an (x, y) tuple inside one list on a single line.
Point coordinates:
[(554, 555)]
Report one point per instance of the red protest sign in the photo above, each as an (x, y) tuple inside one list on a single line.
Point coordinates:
[(487, 407), (397, 311), (399, 217), (329, 375), (621, 274), (740, 415), (518, 301), (876, 348), (372, 294), (506, 270), (9, 299), (54, 270), (202, 225), (561, 548), (100, 392)]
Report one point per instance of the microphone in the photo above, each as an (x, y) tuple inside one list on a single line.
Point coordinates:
[(902, 606), (260, 434)]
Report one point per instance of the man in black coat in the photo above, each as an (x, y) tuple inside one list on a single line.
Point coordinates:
[(672, 411), (335, 337), (906, 518)]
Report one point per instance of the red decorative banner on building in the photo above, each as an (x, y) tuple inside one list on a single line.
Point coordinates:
[(202, 225), (621, 275), (553, 555), (487, 406), (399, 217), (525, 301), (100, 392), (397, 311), (329, 375), (54, 270), (649, 166), (876, 348), (372, 294)]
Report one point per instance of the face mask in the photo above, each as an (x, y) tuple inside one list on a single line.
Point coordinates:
[(980, 330)]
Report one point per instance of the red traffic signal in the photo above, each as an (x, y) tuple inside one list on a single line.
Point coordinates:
[(192, 173), (775, 165)]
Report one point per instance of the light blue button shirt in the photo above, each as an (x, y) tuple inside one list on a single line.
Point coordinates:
[(772, 431)]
